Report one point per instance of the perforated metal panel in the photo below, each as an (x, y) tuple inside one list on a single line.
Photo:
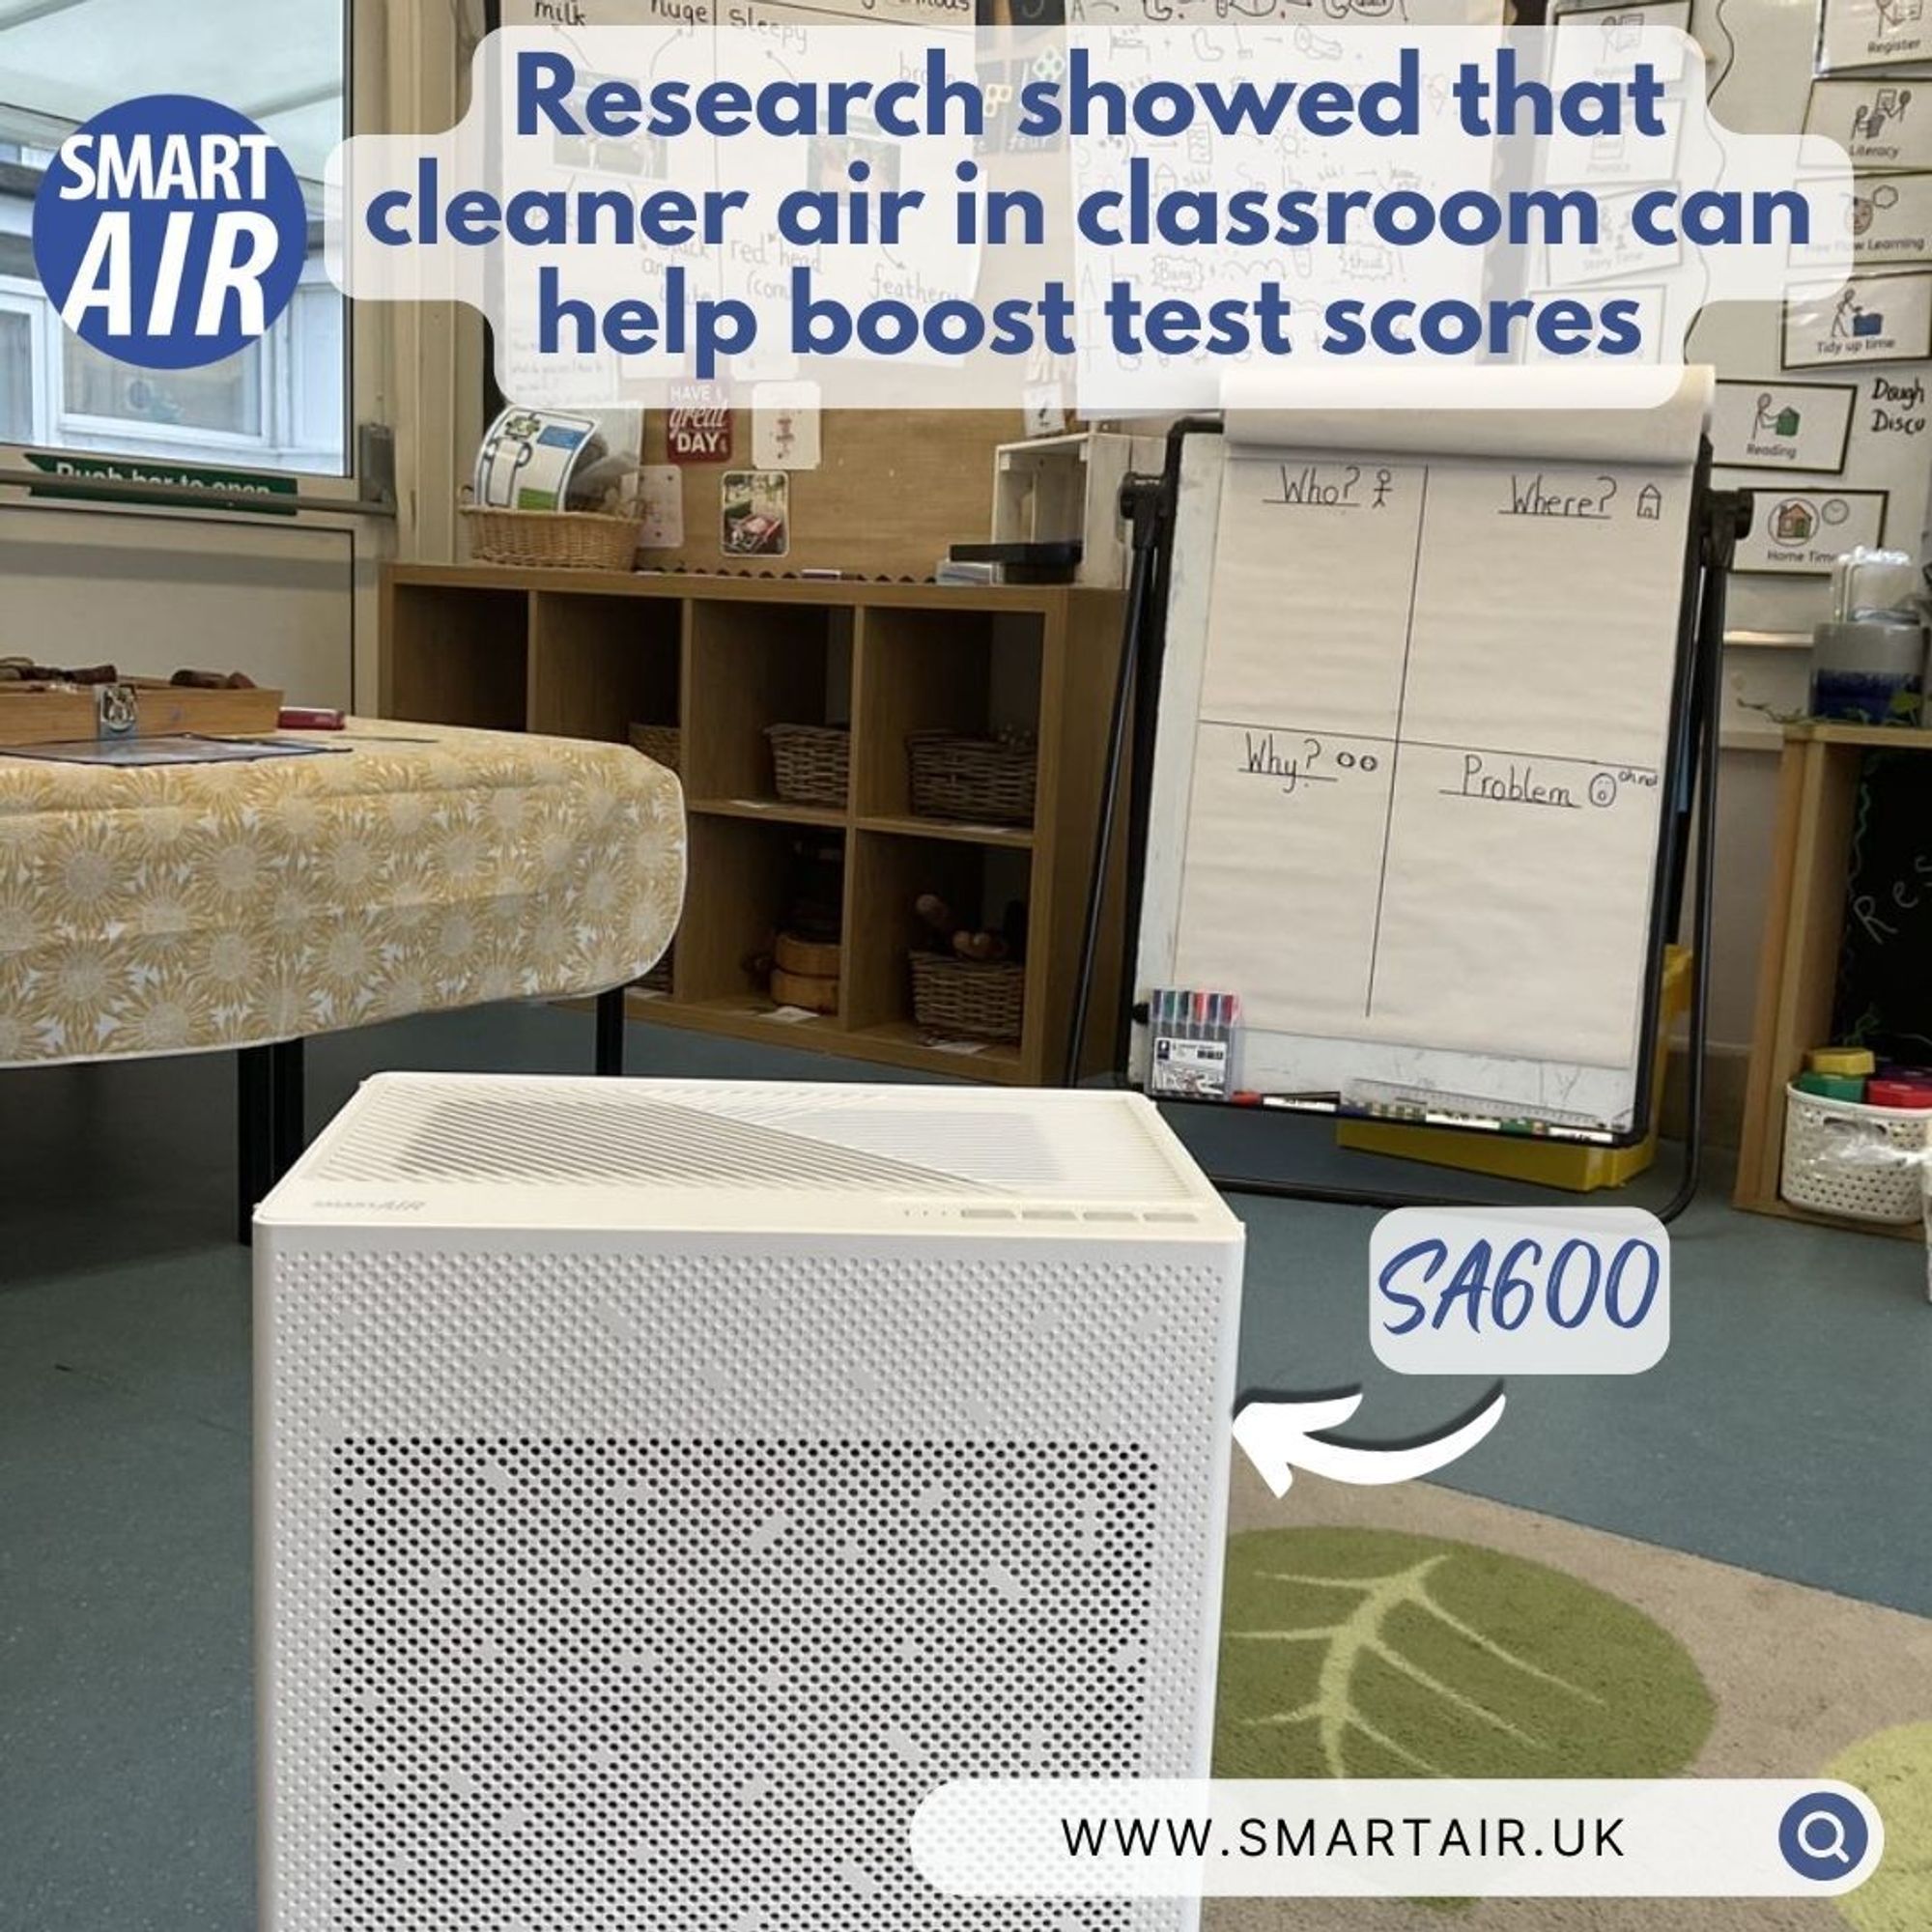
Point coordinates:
[(644, 1583), (869, 1140), (662, 1684)]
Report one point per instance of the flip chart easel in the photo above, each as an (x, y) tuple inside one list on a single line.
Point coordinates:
[(1230, 740)]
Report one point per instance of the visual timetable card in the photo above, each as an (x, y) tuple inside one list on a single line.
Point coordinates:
[(1872, 34), (1892, 221), (1801, 531), (1881, 120), (1778, 424), (1866, 319)]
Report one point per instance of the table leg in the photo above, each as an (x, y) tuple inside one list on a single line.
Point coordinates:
[(290, 1133), (254, 1134), (610, 1032)]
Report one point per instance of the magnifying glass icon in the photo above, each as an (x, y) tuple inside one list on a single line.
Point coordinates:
[(1821, 1835)]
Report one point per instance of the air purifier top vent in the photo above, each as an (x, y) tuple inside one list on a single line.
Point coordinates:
[(503, 1151)]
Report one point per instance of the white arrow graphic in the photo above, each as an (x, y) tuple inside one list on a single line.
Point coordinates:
[(1280, 1437)]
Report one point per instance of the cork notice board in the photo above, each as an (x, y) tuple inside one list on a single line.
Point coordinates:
[(893, 488)]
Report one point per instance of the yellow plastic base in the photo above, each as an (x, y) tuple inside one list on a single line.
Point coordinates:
[(1543, 1163)]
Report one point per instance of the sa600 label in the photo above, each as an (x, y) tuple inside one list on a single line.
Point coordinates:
[(1539, 1292)]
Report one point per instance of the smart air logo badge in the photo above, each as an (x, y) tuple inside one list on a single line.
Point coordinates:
[(170, 231)]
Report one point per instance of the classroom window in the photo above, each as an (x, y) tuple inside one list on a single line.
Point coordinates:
[(280, 403), (17, 375), (223, 399)]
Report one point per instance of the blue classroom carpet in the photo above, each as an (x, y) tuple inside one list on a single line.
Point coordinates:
[(1789, 1430)]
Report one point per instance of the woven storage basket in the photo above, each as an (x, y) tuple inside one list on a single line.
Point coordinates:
[(552, 539), (811, 763), (969, 998), (989, 780), (662, 744), (1834, 1158), (657, 979)]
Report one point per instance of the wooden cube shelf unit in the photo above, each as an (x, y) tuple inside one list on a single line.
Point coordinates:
[(587, 653), (1803, 927)]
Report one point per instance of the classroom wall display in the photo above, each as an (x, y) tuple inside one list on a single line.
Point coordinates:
[(1761, 56), (659, 506), (1868, 319), (754, 506), (1328, 13), (1872, 34), (1892, 219), (1782, 425), (1416, 821), (1885, 996), (1801, 531), (1874, 119), (785, 425), (568, 14), (1617, 21)]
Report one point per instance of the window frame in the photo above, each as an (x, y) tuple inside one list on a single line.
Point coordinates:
[(34, 307), (283, 373)]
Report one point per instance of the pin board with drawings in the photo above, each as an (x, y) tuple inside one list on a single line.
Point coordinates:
[(1823, 411), (1419, 722)]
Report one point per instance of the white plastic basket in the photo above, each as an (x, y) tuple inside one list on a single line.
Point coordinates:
[(1843, 1157)]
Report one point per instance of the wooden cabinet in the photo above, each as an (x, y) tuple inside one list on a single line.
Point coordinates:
[(584, 655), (1804, 927)]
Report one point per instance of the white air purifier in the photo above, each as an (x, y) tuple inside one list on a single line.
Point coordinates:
[(663, 1486)]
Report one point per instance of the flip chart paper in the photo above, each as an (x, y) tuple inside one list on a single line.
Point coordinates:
[(1432, 720)]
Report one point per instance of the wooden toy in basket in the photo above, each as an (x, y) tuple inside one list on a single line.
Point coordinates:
[(969, 998), (969, 985)]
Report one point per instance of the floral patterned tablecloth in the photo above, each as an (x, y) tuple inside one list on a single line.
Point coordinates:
[(185, 908)]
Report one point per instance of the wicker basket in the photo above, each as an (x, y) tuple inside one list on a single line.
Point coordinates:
[(988, 780), (662, 744), (657, 979), (969, 998), (812, 764), (552, 539), (1842, 1157)]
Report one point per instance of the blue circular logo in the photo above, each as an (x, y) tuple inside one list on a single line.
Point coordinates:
[(1823, 1837), (170, 231)]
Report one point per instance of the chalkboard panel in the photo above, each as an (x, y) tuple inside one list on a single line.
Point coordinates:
[(1885, 968)]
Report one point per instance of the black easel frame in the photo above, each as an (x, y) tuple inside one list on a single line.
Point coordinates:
[(1719, 518)]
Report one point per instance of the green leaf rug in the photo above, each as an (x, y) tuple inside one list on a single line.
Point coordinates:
[(1361, 1653)]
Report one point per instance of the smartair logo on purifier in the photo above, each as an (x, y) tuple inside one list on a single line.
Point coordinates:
[(170, 231)]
